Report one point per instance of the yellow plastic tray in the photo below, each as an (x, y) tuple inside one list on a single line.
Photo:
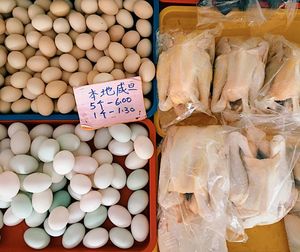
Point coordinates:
[(271, 238)]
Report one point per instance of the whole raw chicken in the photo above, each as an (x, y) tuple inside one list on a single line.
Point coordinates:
[(239, 73), (282, 88), (184, 71)]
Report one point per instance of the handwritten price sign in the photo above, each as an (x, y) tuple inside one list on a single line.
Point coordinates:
[(105, 104)]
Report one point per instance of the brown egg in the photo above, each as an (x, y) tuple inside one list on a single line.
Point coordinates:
[(93, 54), (109, 19), (44, 105), (34, 106), (68, 62), (35, 86), (77, 52), (116, 32), (21, 14), (143, 9), (105, 64), (144, 48), (16, 59), (10, 94), (84, 65), (101, 40), (84, 41), (59, 8), (19, 79), (21, 106), (124, 18), (108, 7), (96, 23), (61, 25), (144, 28), (147, 71), (132, 63), (128, 4), (35, 10), (63, 42), (15, 42), (47, 46), (42, 22), (55, 89), (91, 75), (77, 21), (119, 3), (130, 39), (33, 38), (4, 107), (117, 52), (103, 77), (78, 79), (45, 4), (28, 95), (51, 74), (117, 74), (66, 103), (89, 6), (37, 63), (14, 25)]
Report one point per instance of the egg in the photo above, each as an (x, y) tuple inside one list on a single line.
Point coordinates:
[(133, 162), (121, 237), (102, 138), (49, 170), (72, 193), (51, 232), (96, 23), (83, 150), (103, 156), (58, 218), (63, 42), (73, 236), (15, 42), (91, 201), (117, 52), (44, 105), (84, 135), (85, 165), (96, 218), (16, 59), (35, 10), (41, 202), (124, 18), (137, 202), (119, 216), (15, 127), (50, 74), (89, 6), (131, 39), (84, 65), (47, 46), (147, 71), (116, 32), (120, 132), (140, 227), (9, 219), (108, 7), (105, 64), (21, 106), (55, 89), (95, 238), (137, 179), (61, 25), (19, 79), (41, 130), (103, 77), (37, 63), (75, 213), (59, 185), (37, 182), (36, 238), (103, 176), (10, 94), (7, 6), (63, 129), (63, 162), (137, 130), (59, 8), (35, 145), (14, 25), (80, 184), (20, 142), (128, 4), (66, 103), (120, 149), (110, 196), (77, 21), (144, 48), (143, 9), (143, 147), (109, 19), (42, 22), (48, 149), (68, 142), (119, 179), (68, 63), (35, 86), (5, 143), (23, 164), (147, 87), (21, 206), (35, 219), (132, 63), (61, 198), (84, 41)]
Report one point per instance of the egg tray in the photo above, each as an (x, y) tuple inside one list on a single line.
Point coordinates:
[(152, 96), (12, 237)]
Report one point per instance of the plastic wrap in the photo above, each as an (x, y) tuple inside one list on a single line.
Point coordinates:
[(216, 181), (185, 72), (282, 82)]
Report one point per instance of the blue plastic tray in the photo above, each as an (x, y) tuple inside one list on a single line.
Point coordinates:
[(74, 116)]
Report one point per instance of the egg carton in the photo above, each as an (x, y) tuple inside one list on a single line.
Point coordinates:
[(12, 237)]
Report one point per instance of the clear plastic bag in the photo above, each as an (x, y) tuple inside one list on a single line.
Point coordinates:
[(185, 72)]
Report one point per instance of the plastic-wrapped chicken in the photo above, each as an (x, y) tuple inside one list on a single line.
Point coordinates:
[(184, 71), (239, 73), (262, 185), (282, 89), (193, 190)]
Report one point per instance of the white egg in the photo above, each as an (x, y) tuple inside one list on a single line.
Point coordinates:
[(68, 142), (83, 150), (5, 157), (120, 149), (110, 196), (102, 138), (85, 165), (143, 147), (58, 218), (41, 202), (48, 150), (84, 135), (137, 202), (121, 237), (4, 204), (37, 182), (75, 213), (35, 145), (21, 205), (41, 130), (119, 179), (73, 194), (49, 170), (137, 179), (119, 216), (73, 236), (35, 219), (63, 129), (103, 156), (51, 232), (95, 238), (3, 132), (90, 201), (9, 219), (23, 164), (4, 144), (133, 162), (140, 227), (120, 132), (63, 162), (104, 176), (20, 142), (9, 185), (138, 130), (15, 127), (80, 184)]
